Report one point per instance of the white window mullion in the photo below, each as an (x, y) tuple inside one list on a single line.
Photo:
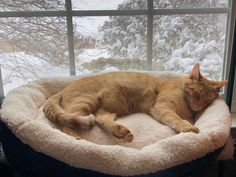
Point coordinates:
[(70, 37), (149, 34), (1, 88)]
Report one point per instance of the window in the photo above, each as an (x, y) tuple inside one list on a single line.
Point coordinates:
[(32, 48), (103, 48), (190, 4), (32, 5), (62, 37), (183, 40), (108, 5)]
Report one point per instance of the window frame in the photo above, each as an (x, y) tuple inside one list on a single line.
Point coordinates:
[(149, 12)]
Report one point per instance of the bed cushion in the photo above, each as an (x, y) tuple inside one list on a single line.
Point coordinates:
[(155, 146)]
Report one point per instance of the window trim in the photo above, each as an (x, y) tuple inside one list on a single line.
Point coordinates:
[(70, 37), (1, 88), (64, 13), (228, 53)]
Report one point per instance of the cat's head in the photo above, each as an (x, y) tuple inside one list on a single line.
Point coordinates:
[(199, 91)]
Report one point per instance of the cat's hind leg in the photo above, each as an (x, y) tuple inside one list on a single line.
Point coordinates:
[(79, 116), (71, 132), (81, 120), (106, 120), (76, 121), (81, 112)]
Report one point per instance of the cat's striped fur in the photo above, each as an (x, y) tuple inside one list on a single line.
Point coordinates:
[(105, 97)]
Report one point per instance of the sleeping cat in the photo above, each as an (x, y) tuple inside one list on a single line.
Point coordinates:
[(105, 97)]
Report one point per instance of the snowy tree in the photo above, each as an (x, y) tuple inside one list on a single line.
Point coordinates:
[(32, 47), (125, 37), (30, 43), (32, 5), (42, 37)]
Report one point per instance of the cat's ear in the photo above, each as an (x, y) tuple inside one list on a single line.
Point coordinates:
[(195, 73), (220, 84)]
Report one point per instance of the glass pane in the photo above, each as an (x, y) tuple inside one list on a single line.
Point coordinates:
[(180, 41), (31, 48), (31, 5), (108, 4), (110, 43), (175, 4)]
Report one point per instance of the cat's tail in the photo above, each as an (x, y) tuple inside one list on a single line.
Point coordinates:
[(55, 113)]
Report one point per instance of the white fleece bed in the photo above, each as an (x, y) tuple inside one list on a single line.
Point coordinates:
[(155, 146)]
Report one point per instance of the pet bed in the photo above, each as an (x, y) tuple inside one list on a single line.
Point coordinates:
[(155, 147)]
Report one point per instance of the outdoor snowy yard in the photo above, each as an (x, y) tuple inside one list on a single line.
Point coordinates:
[(37, 47)]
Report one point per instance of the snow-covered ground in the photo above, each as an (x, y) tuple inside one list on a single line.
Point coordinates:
[(20, 68), (91, 54)]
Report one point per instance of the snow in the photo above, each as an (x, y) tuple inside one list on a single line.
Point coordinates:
[(211, 45), (91, 54), (177, 53), (118, 44), (95, 4), (211, 62), (111, 68), (20, 68), (184, 65), (161, 43), (129, 41), (89, 26), (31, 68)]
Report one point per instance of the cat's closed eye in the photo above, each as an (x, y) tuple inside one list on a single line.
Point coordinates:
[(196, 95)]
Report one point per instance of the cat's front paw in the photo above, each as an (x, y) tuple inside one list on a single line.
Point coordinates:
[(190, 129), (122, 132)]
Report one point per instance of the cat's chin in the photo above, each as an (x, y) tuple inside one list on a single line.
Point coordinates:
[(197, 109)]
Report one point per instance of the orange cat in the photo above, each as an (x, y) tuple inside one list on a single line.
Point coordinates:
[(104, 98)]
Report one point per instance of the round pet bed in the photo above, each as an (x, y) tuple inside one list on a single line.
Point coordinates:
[(155, 147)]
